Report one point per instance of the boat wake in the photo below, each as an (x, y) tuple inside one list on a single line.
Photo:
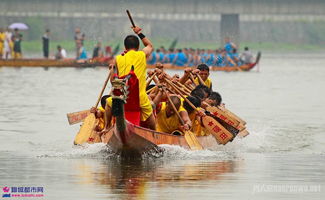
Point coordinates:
[(96, 151), (172, 152), (263, 138)]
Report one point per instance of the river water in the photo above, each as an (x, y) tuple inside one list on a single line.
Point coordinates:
[(282, 158)]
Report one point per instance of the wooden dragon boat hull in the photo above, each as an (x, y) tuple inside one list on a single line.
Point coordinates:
[(136, 140), (39, 62)]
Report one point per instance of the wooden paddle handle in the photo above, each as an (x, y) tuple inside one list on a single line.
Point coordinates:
[(150, 79), (174, 108), (179, 92), (192, 79), (130, 17), (200, 79), (172, 104), (103, 89)]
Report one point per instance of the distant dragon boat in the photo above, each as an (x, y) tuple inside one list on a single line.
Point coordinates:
[(39, 62)]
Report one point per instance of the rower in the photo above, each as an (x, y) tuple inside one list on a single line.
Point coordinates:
[(180, 58), (167, 119), (194, 116), (229, 46), (99, 113), (204, 71), (246, 57), (132, 56), (214, 99)]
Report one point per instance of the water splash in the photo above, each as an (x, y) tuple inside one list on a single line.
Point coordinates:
[(96, 151)]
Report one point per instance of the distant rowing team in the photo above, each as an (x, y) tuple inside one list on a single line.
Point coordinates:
[(226, 56), (174, 105)]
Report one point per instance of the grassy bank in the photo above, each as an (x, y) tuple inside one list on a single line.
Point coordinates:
[(35, 47)]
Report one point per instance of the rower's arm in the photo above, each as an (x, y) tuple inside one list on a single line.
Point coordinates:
[(148, 47), (185, 118), (186, 75), (111, 68), (158, 97)]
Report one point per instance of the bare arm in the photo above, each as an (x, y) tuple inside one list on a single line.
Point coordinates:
[(185, 118), (148, 47), (111, 67), (158, 97), (186, 75)]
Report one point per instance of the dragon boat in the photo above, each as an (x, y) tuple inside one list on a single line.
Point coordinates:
[(127, 138), (39, 62)]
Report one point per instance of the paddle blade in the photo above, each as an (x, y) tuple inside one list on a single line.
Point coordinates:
[(226, 117), (233, 115), (212, 126), (87, 134), (77, 117), (243, 133), (192, 141)]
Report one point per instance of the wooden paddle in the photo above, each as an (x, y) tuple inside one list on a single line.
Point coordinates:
[(184, 87), (221, 134), (189, 136), (217, 112), (200, 79), (130, 17), (77, 117), (87, 132), (150, 79), (234, 116), (243, 133), (151, 89), (192, 79)]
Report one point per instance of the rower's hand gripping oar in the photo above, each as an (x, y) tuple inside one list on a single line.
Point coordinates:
[(189, 135), (150, 79), (87, 132), (221, 134), (199, 78)]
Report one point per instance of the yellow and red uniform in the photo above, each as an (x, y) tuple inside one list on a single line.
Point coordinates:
[(167, 124), (2, 40), (207, 82), (138, 60)]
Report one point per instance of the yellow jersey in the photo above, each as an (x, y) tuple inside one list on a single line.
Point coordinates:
[(138, 60), (206, 82), (2, 40), (167, 124)]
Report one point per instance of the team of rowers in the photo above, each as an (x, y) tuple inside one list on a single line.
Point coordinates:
[(161, 108), (227, 56)]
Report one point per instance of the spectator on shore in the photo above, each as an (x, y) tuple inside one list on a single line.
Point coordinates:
[(46, 43), (2, 40), (8, 44), (17, 38)]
